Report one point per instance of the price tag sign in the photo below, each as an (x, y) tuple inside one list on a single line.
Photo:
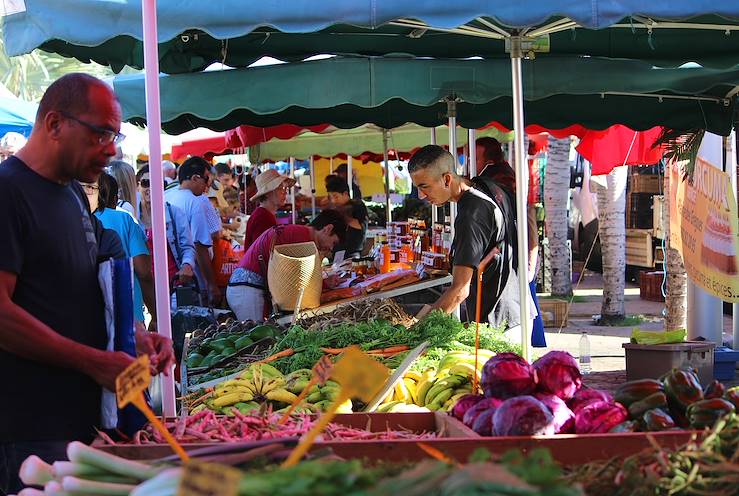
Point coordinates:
[(322, 369), (129, 389), (209, 479), (133, 381), (360, 376)]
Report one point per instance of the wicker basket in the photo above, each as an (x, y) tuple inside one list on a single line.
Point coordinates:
[(292, 268)]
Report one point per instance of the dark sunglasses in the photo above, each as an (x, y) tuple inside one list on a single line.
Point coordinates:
[(145, 183)]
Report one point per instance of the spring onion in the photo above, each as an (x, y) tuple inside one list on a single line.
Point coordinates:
[(81, 453), (164, 484), (35, 472), (76, 485)]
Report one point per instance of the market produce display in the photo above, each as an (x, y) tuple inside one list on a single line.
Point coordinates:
[(436, 388), (708, 465), (547, 397), (675, 400), (205, 427), (223, 349), (262, 385), (90, 471)]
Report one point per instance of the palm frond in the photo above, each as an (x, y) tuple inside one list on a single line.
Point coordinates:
[(681, 146)]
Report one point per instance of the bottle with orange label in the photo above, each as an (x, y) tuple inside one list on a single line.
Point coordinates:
[(385, 258)]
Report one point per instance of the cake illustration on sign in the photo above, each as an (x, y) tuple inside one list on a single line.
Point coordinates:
[(719, 249)]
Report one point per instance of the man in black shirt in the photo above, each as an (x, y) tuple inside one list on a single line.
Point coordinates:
[(485, 222), (343, 172), (52, 325)]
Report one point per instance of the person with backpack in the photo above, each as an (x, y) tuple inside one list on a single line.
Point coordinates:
[(485, 223)]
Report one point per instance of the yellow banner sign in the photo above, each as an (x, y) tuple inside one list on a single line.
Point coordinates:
[(704, 228)]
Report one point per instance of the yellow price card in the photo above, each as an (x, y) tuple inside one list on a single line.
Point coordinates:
[(209, 479), (129, 389)]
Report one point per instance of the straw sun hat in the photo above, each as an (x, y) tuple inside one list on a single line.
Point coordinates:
[(269, 181)]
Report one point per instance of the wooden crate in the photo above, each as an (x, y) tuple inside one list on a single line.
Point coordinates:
[(645, 183), (639, 250), (659, 215), (553, 312), (650, 286), (441, 423)]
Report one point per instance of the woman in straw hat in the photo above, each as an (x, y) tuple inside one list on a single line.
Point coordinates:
[(272, 188)]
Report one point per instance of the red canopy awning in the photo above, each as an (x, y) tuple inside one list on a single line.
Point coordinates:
[(618, 145), (215, 145), (245, 136)]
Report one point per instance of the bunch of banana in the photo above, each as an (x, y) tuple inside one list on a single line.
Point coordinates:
[(298, 380), (259, 383), (463, 363), (441, 392), (322, 397)]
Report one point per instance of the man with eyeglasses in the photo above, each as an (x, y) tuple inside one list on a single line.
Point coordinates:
[(194, 181), (52, 323)]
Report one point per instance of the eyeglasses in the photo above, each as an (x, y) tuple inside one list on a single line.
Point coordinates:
[(144, 183), (106, 136), (90, 188), (238, 170)]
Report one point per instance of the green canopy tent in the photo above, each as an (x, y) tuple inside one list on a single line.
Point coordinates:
[(355, 142), (388, 92)]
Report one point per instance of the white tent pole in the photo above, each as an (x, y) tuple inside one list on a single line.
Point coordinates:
[(312, 188), (292, 191), (733, 175), (386, 163), (451, 106), (154, 124), (350, 174), (434, 212), (522, 179), (471, 139)]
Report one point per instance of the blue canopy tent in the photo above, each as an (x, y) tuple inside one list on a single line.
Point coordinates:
[(16, 116), (522, 28)]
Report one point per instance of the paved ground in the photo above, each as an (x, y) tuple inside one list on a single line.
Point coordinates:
[(608, 359)]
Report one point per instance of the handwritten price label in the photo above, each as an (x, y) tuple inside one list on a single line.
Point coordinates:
[(209, 479), (360, 375), (322, 369), (133, 381), (129, 388)]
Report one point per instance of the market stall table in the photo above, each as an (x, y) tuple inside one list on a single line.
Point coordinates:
[(390, 293)]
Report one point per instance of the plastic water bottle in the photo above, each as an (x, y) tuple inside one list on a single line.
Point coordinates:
[(584, 353)]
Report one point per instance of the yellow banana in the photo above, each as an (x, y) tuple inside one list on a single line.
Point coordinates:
[(464, 369), (345, 407), (232, 399), (412, 374), (401, 392), (272, 384), (282, 395), (410, 385), (270, 370)]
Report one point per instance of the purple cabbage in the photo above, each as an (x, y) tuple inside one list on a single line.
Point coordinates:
[(472, 412), (564, 419), (506, 375), (558, 374), (523, 416), (599, 417), (464, 403), (483, 424), (585, 396)]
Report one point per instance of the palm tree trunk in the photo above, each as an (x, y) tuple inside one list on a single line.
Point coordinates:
[(676, 300), (612, 227), (556, 192)]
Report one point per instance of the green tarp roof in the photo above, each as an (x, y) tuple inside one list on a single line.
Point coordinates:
[(388, 92)]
